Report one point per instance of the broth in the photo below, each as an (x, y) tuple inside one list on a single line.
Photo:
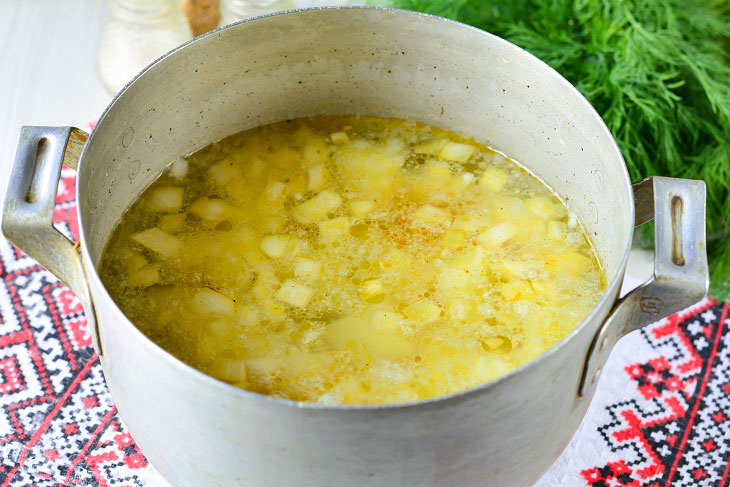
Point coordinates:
[(351, 260)]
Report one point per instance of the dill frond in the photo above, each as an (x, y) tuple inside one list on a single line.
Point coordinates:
[(658, 71)]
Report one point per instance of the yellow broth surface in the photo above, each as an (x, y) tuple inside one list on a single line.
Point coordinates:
[(351, 260)]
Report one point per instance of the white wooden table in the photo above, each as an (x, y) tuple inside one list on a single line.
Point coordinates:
[(48, 67)]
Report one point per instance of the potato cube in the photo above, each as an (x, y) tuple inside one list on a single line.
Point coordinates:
[(209, 302), (438, 172), (158, 241), (395, 259), (219, 327), (134, 260), (339, 138), (471, 223), (274, 245), (471, 261), (211, 211), (297, 184), (540, 287), (569, 261), (166, 199), (223, 171), (295, 294), (334, 230), (315, 151), (315, 209), (367, 168), (455, 151), (556, 230), (493, 179), (371, 289), (516, 290), (453, 238), (319, 177), (453, 281), (307, 269), (386, 321), (431, 215), (360, 207), (253, 170), (497, 235), (431, 147), (285, 157), (273, 223), (275, 191), (424, 311), (368, 329), (541, 207), (279, 245), (229, 370), (457, 310), (145, 276), (516, 269)]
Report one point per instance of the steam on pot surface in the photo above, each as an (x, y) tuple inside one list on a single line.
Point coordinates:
[(351, 260)]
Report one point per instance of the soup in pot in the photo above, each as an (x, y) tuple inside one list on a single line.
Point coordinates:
[(351, 260)]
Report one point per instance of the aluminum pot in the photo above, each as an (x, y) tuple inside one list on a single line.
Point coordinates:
[(198, 431)]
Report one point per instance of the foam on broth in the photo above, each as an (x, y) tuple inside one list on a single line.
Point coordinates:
[(351, 260)]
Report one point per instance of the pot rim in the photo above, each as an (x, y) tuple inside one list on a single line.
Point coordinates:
[(437, 401)]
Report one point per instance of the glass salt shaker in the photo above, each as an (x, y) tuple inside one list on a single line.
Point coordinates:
[(234, 10), (136, 33)]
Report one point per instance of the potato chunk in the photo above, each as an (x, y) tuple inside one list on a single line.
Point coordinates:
[(431, 215), (424, 311), (307, 269), (158, 241), (228, 370), (371, 289), (278, 246), (334, 230), (453, 238), (556, 230), (209, 302), (497, 235), (167, 199), (318, 178), (223, 172), (493, 179), (145, 276), (316, 209), (339, 138), (360, 329), (456, 151), (541, 207), (360, 207), (295, 294), (211, 211)]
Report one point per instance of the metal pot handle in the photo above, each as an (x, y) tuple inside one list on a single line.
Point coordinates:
[(681, 276), (30, 201)]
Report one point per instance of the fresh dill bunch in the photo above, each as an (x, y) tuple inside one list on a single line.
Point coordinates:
[(658, 71)]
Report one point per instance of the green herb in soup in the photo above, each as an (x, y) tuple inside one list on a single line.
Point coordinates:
[(351, 260)]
